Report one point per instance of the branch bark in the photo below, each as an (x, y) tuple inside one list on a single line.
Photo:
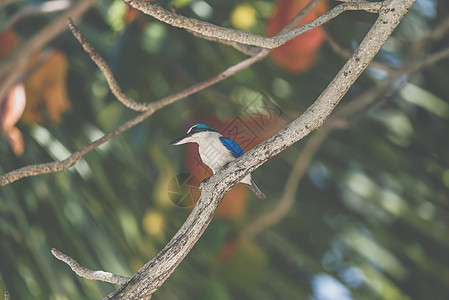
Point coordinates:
[(246, 38), (56, 166), (87, 273), (153, 274), (149, 108)]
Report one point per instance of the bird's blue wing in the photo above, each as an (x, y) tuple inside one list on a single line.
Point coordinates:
[(232, 146)]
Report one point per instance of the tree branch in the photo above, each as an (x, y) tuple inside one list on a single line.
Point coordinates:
[(153, 274), (87, 273), (6, 2), (338, 49), (56, 166), (238, 36), (360, 106), (35, 9), (254, 50), (103, 66), (152, 107), (13, 66)]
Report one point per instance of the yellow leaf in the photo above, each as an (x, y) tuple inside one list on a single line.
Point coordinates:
[(154, 224), (243, 16)]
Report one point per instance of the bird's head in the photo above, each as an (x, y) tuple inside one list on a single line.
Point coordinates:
[(194, 133)]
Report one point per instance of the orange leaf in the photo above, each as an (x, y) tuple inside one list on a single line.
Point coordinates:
[(234, 203), (47, 87), (11, 111), (130, 14), (296, 55)]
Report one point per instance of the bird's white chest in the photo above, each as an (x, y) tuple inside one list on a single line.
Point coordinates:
[(213, 153)]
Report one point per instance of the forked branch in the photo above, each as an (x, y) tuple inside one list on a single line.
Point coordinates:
[(153, 274), (232, 35)]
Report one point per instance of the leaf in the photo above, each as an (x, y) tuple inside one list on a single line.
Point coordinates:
[(154, 224), (130, 14), (297, 55), (11, 111), (47, 87), (243, 16), (8, 41)]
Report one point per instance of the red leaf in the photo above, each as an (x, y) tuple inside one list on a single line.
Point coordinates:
[(297, 55), (8, 41)]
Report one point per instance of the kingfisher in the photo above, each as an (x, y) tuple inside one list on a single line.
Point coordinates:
[(216, 150)]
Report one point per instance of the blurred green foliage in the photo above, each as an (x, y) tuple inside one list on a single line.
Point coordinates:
[(371, 217)]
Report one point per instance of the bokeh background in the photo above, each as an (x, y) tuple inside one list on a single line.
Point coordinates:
[(368, 220)]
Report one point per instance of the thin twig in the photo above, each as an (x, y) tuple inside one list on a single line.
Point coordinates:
[(248, 50), (362, 104), (288, 197), (151, 108), (153, 274), (238, 36), (431, 59), (440, 31), (56, 166), (107, 72), (338, 49), (13, 66), (300, 16), (87, 273), (6, 2), (35, 9)]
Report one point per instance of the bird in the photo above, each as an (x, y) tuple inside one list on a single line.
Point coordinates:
[(216, 150)]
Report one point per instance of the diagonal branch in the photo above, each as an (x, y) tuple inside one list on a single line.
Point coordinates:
[(56, 166), (151, 108), (35, 9), (362, 104), (107, 72), (238, 36), (88, 273), (153, 274)]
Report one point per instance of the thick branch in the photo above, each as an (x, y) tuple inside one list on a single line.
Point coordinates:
[(238, 36), (153, 274), (87, 273)]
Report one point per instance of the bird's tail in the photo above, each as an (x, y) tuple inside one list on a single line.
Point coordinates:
[(256, 190)]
